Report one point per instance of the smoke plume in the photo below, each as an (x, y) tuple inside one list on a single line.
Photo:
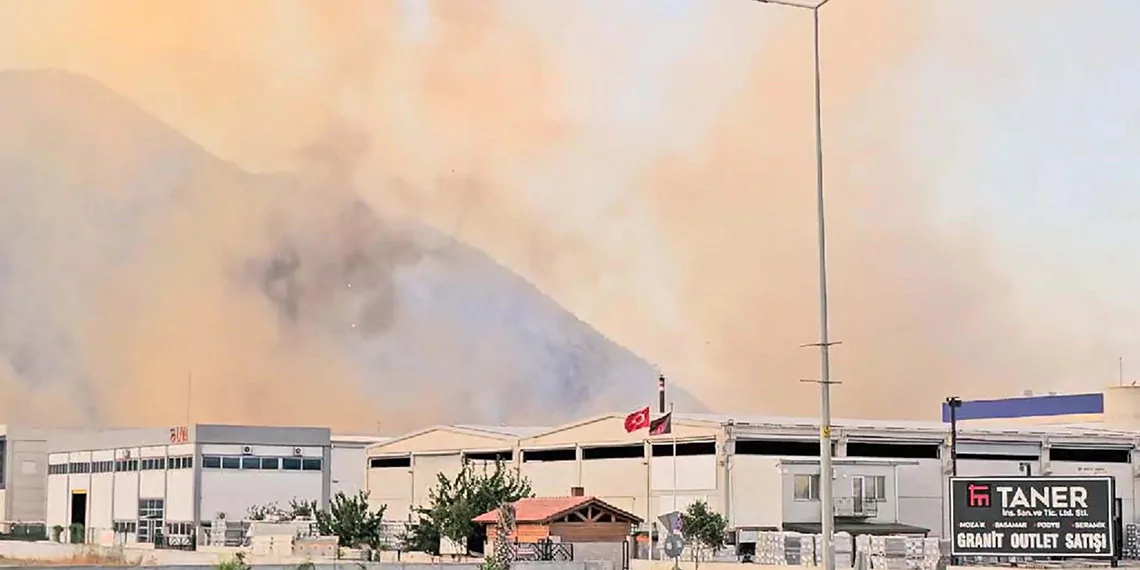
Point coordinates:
[(649, 165)]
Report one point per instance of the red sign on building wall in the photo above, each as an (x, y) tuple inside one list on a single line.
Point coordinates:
[(179, 434)]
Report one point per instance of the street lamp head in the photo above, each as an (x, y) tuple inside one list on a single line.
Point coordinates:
[(954, 402)]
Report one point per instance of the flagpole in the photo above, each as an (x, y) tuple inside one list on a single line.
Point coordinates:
[(673, 432)]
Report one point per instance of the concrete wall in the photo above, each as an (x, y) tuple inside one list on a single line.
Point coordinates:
[(623, 483), (756, 484), (696, 480), (349, 464), (234, 492), (552, 478), (391, 486), (425, 472), (25, 482), (919, 490)]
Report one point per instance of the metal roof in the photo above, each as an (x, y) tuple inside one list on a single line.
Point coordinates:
[(916, 428), (509, 431)]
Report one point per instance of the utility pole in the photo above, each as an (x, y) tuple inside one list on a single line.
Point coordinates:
[(953, 403)]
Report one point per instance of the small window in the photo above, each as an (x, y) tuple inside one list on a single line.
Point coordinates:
[(806, 487), (618, 452), (270, 463), (491, 456), (387, 462), (876, 487), (570, 454), (250, 463), (291, 464), (211, 462), (231, 463), (311, 464)]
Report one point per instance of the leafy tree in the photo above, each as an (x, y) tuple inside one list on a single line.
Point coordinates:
[(453, 502), (704, 529), (350, 519), (300, 508)]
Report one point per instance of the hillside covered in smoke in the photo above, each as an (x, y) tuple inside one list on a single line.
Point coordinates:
[(144, 281)]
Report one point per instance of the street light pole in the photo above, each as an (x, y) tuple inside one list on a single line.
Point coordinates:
[(953, 403), (826, 478)]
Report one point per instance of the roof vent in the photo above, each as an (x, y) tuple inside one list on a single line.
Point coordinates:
[(577, 492)]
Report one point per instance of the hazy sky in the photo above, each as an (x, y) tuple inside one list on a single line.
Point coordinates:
[(1012, 126), (1044, 154)]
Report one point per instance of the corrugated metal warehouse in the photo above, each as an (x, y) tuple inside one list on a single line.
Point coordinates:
[(759, 471)]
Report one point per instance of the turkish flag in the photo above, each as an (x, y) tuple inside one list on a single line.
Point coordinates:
[(637, 420)]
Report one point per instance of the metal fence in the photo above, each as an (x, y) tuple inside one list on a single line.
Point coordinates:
[(24, 531)]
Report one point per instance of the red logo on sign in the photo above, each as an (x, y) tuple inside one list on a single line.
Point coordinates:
[(179, 434), (978, 495)]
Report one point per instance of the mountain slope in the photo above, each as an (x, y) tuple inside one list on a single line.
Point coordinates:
[(144, 281)]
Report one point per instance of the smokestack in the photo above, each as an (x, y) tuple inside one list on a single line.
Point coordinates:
[(661, 393)]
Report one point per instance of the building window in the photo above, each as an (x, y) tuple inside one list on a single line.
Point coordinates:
[(107, 466), (79, 467), (57, 469), (876, 487), (806, 487), (127, 465), (181, 462), (151, 513), (124, 527), (153, 463), (405, 462), (252, 463), (179, 528)]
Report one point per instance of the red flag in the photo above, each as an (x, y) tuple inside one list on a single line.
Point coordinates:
[(637, 420)]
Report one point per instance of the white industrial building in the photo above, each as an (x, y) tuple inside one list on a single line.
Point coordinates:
[(762, 472), (23, 470), (349, 459), (134, 484)]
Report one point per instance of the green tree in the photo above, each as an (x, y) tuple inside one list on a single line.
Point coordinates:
[(703, 529), (453, 502), (352, 521)]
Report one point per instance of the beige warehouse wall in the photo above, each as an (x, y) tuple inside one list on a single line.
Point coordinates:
[(552, 478), (426, 470), (621, 482), (391, 486)]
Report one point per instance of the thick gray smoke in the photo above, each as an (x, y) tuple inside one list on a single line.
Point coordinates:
[(648, 164), (143, 281)]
